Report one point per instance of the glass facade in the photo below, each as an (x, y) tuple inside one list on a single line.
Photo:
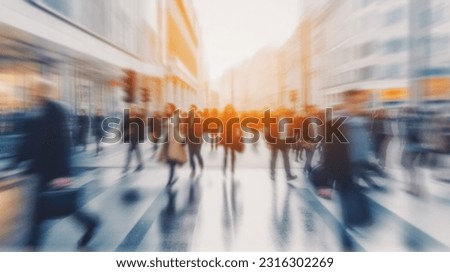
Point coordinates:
[(117, 22)]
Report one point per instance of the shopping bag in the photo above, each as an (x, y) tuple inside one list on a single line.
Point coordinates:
[(59, 202)]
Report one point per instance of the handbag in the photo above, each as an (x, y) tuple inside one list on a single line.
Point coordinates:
[(177, 152), (355, 207), (238, 146), (59, 202)]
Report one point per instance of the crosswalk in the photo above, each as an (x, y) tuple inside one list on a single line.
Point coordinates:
[(247, 212)]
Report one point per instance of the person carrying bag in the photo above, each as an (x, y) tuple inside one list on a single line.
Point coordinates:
[(62, 200), (48, 147)]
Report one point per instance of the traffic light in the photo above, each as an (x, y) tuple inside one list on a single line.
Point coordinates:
[(129, 86), (145, 92)]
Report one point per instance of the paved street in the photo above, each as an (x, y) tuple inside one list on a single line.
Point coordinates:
[(249, 212)]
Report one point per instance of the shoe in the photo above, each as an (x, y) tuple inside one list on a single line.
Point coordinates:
[(172, 181), (291, 177), (90, 231), (415, 191), (272, 177), (140, 167)]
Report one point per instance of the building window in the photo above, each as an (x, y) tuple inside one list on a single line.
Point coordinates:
[(432, 16), (394, 16), (392, 71), (439, 44), (395, 46), (367, 72), (367, 49)]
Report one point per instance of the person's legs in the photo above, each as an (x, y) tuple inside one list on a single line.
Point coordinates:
[(287, 165), (97, 146), (225, 158), (273, 161), (128, 160), (138, 153), (90, 224), (172, 165), (309, 156), (139, 156), (34, 235), (191, 157), (83, 139), (233, 160), (198, 153), (415, 187)]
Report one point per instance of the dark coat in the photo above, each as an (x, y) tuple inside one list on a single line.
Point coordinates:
[(336, 158), (134, 130), (337, 163), (49, 143), (97, 130), (83, 126)]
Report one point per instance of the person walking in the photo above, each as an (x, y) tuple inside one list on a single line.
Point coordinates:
[(97, 131), (231, 135), (48, 148), (134, 131), (172, 151), (339, 166), (195, 139), (214, 113), (276, 136), (413, 149), (83, 127), (381, 135)]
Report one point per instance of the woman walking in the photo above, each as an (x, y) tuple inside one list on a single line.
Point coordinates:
[(231, 134), (173, 150)]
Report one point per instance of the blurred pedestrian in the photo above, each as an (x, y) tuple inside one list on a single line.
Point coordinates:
[(134, 133), (339, 164), (97, 131), (358, 125), (83, 128), (412, 150), (155, 130), (381, 135), (309, 139), (50, 160), (194, 139), (231, 135), (298, 146), (214, 113), (276, 138), (172, 151)]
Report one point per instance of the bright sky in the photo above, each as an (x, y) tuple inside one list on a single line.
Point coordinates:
[(233, 30)]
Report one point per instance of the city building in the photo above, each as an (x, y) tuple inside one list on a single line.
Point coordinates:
[(295, 57), (396, 50), (254, 83), (184, 79), (82, 46)]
